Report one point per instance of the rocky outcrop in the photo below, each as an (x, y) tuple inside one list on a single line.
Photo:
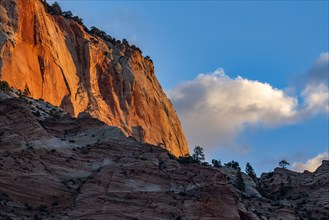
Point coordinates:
[(81, 168), (58, 60), (306, 193), (54, 166)]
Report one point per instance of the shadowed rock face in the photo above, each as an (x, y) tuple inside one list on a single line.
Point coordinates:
[(307, 193), (54, 166), (63, 64), (81, 168)]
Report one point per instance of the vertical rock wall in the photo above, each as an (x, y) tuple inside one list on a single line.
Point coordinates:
[(58, 61)]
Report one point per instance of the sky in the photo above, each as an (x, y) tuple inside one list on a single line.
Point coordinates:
[(248, 79)]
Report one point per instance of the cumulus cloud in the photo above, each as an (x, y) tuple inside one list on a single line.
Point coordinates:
[(318, 73), (215, 108), (315, 93), (311, 164), (316, 98)]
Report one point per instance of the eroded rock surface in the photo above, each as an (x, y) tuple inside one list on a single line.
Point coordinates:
[(54, 166), (60, 62), (81, 168), (307, 193)]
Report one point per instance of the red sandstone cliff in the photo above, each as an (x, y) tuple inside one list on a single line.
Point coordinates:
[(63, 64)]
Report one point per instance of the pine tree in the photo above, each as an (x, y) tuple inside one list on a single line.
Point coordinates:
[(56, 8), (284, 164), (250, 171), (198, 154)]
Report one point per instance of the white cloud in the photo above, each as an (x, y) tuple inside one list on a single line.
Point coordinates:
[(215, 108), (322, 59), (311, 164), (316, 98), (315, 93)]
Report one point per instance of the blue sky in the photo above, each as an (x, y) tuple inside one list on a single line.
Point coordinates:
[(273, 43)]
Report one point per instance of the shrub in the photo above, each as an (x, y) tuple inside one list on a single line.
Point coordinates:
[(233, 164), (216, 163), (67, 14), (78, 20), (125, 42), (4, 86), (185, 160), (54, 114), (170, 155), (37, 113), (239, 181), (94, 30)]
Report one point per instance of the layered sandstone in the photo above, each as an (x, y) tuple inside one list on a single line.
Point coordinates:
[(81, 168), (307, 193), (54, 166), (60, 62)]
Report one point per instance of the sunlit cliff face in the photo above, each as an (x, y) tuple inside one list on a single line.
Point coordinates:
[(58, 61)]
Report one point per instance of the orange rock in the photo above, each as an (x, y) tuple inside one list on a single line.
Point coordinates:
[(63, 64)]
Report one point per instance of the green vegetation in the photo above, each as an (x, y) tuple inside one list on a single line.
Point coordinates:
[(37, 113), (54, 114), (26, 91), (187, 159), (216, 163), (250, 171), (233, 164), (239, 181), (4, 86), (198, 154), (283, 163), (149, 59), (125, 42), (95, 31), (56, 10), (67, 14)]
